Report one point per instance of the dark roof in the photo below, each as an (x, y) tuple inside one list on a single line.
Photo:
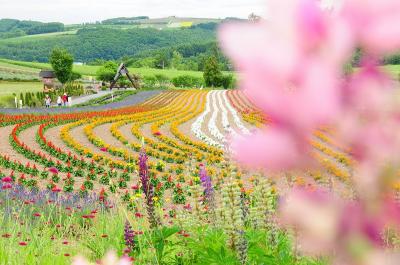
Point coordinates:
[(47, 74)]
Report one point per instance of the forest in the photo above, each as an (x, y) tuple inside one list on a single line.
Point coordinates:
[(10, 28), (89, 44)]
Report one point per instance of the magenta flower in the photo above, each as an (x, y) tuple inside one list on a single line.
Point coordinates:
[(7, 186), (53, 170), (7, 179)]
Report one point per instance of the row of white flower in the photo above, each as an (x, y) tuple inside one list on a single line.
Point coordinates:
[(212, 123), (238, 122), (218, 107), (197, 125), (225, 121)]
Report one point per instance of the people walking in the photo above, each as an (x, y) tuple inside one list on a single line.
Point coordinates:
[(59, 101), (65, 99), (47, 101)]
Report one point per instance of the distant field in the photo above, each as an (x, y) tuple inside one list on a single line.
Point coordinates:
[(10, 71), (8, 88), (88, 70), (41, 36), (393, 69)]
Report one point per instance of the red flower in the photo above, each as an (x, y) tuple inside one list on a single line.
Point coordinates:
[(7, 179), (23, 243), (67, 255), (37, 214), (138, 215), (55, 189), (53, 170), (104, 149), (7, 186), (90, 216), (65, 242)]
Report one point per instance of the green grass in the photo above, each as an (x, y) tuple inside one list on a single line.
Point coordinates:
[(8, 88), (393, 69), (89, 70)]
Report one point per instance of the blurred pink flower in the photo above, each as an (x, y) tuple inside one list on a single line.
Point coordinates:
[(314, 215), (109, 259), (272, 149), (291, 67), (374, 23), (325, 223)]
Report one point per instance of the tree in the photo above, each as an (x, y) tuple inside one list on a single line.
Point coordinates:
[(212, 75), (62, 61), (176, 60), (107, 72)]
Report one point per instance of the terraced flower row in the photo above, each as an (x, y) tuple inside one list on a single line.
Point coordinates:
[(99, 151)]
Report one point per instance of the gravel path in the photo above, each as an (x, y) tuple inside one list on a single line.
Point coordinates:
[(140, 97), (86, 98)]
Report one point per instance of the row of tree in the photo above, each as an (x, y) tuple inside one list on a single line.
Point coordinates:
[(192, 56), (212, 77)]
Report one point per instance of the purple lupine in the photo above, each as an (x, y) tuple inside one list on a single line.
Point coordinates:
[(148, 189), (144, 172), (129, 236), (207, 185)]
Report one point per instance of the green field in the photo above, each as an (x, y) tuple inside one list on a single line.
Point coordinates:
[(393, 69), (7, 89), (88, 70), (15, 72)]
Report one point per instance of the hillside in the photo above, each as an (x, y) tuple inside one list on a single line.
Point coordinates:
[(15, 28), (110, 39), (89, 44)]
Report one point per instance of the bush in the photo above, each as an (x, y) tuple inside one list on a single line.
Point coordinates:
[(226, 81), (187, 81), (74, 89)]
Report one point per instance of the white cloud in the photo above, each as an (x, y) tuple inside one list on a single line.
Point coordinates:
[(78, 11)]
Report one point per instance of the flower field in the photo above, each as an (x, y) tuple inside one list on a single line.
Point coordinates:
[(154, 182)]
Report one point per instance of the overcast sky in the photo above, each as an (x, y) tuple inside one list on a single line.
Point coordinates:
[(78, 11)]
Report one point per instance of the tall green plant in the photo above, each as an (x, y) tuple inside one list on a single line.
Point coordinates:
[(62, 62)]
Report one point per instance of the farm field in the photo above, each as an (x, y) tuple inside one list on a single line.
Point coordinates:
[(8, 88), (77, 177)]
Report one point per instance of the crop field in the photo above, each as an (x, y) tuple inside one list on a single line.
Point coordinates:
[(163, 164), (8, 88)]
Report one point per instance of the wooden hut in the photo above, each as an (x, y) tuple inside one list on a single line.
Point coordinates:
[(48, 78)]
